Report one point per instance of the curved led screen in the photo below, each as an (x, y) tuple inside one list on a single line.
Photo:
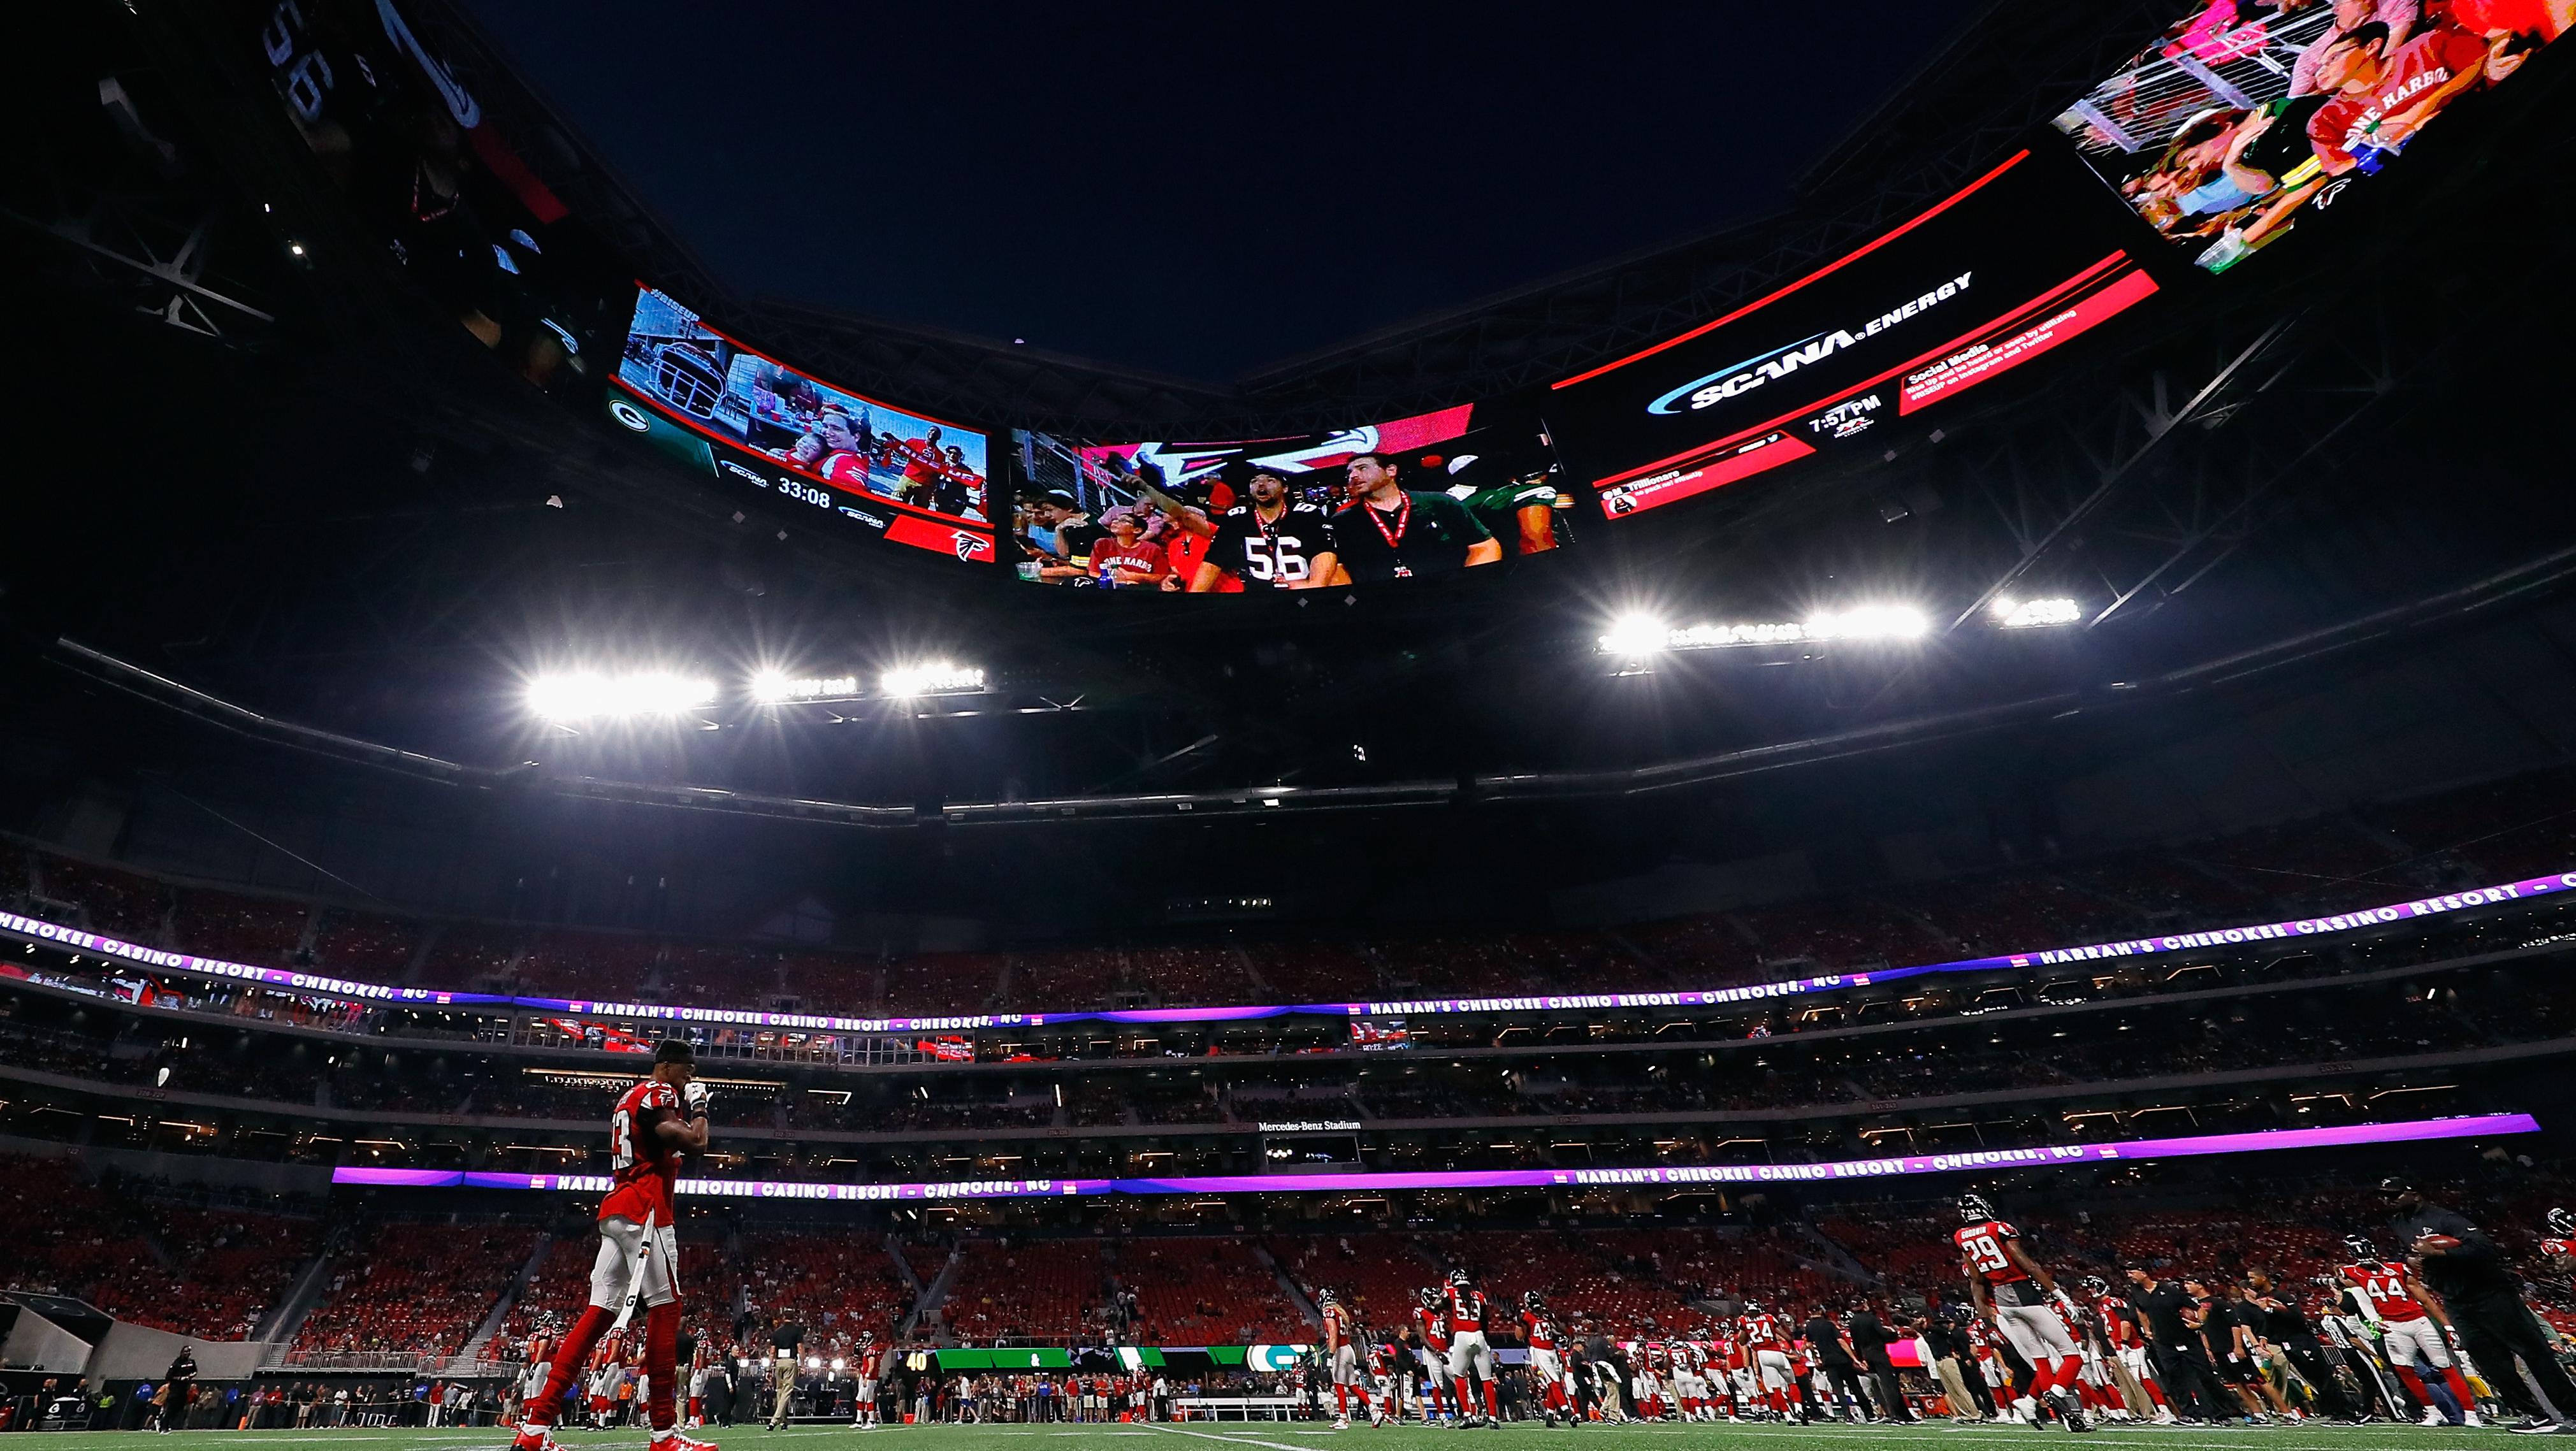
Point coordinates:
[(748, 419), (1432, 494), (1963, 292), (2242, 119)]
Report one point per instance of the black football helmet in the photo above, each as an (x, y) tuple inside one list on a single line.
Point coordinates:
[(1533, 1301), (2362, 1248), (1430, 1298), (1974, 1207), (2561, 1222), (1460, 1279), (2096, 1285), (1327, 1297)]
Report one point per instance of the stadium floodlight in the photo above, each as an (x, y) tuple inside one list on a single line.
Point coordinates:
[(774, 687), (589, 695), (2036, 614), (1634, 635), (1870, 622), (933, 678)]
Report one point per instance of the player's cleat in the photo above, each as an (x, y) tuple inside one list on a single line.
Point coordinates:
[(536, 1438), (1341, 1423), (676, 1440), (2470, 1419), (2432, 1417), (2541, 1426)]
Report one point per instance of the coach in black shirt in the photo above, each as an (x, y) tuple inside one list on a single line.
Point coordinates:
[(2463, 1264), (2181, 1362), (1825, 1342), (1388, 532), (1869, 1338)]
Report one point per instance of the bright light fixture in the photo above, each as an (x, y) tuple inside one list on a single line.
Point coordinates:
[(2035, 614), (1635, 635), (1870, 622), (589, 695), (934, 678), (772, 687)]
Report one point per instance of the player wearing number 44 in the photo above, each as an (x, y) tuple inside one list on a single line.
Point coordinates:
[(654, 1124)]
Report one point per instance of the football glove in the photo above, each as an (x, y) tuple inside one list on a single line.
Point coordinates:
[(695, 1097)]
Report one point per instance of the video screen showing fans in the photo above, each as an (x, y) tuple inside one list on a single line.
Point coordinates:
[(2247, 116), (1433, 494), (2023, 260), (399, 129), (914, 479)]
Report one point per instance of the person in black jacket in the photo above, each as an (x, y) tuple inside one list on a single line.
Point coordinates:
[(2463, 1264), (2285, 1324), (1869, 1337), (1825, 1343), (2174, 1347)]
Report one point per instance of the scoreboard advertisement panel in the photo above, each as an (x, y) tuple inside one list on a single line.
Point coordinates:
[(747, 418), (2022, 260)]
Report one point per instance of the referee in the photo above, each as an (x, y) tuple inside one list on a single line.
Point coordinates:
[(2461, 1263)]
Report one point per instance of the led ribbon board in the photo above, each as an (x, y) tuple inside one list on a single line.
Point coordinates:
[(288, 980), (2022, 260), (1974, 1160)]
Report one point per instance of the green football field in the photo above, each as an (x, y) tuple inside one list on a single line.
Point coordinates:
[(1295, 1436)]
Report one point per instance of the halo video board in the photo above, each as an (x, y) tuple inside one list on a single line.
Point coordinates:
[(1427, 495), (749, 419), (2017, 263)]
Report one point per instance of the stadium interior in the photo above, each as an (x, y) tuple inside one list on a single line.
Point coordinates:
[(1210, 977)]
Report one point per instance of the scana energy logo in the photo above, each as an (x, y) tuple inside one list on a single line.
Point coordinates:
[(1736, 379)]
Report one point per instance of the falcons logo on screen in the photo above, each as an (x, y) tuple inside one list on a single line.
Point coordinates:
[(967, 545)]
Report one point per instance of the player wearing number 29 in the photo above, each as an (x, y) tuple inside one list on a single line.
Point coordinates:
[(2023, 1300), (654, 1123)]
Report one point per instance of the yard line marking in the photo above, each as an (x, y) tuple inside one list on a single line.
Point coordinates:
[(1235, 1440)]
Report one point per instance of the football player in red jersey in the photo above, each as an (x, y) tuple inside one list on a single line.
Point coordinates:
[(2559, 1250), (868, 1365), (2125, 1349), (1431, 1323), (1769, 1349), (1470, 1358), (2414, 1344), (1538, 1332), (654, 1123), (2011, 1288), (1342, 1356), (1726, 1368)]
